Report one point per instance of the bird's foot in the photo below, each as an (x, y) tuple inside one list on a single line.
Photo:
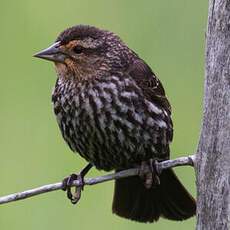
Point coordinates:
[(67, 183), (151, 178)]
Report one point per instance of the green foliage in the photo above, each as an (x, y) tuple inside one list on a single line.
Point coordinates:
[(168, 35)]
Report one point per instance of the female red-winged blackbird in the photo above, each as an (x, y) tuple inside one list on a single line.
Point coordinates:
[(112, 110)]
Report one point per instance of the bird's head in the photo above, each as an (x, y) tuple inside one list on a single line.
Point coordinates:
[(85, 51)]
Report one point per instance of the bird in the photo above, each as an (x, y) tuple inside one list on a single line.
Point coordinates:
[(112, 110)]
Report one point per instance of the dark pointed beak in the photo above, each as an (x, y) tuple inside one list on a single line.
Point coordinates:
[(52, 53)]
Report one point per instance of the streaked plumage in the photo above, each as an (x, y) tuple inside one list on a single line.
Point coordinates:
[(112, 110)]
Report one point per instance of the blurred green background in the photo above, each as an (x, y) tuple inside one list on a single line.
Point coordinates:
[(168, 35)]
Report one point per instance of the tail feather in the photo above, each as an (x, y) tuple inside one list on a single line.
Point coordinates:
[(169, 199)]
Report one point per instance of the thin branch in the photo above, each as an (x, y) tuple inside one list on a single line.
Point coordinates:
[(190, 160)]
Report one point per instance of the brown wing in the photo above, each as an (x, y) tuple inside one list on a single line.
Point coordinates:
[(152, 89), (149, 83)]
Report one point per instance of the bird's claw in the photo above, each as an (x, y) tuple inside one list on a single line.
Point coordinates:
[(150, 178), (67, 184)]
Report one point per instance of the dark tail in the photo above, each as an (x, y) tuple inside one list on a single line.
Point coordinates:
[(169, 199)]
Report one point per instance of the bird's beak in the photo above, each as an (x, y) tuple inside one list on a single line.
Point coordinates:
[(52, 53)]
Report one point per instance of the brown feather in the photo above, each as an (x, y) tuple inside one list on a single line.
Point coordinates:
[(169, 199)]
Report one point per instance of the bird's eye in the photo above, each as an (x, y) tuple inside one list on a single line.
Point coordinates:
[(78, 49)]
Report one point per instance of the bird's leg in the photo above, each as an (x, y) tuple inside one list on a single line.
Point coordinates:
[(68, 181), (150, 178)]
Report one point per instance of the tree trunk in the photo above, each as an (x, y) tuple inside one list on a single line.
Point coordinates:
[(213, 154)]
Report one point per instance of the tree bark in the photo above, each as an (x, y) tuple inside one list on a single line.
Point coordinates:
[(213, 154)]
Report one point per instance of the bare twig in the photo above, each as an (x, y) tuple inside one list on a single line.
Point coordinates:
[(190, 160)]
